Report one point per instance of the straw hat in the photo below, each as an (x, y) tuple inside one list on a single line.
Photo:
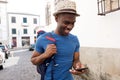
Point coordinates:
[(65, 6)]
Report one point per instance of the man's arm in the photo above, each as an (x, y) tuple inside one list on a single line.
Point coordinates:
[(38, 58), (77, 65), (76, 61)]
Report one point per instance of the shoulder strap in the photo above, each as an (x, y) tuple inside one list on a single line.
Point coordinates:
[(50, 37)]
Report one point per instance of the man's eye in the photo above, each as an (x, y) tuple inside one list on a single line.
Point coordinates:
[(66, 23), (73, 23)]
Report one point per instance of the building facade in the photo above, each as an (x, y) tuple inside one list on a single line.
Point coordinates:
[(49, 19), (98, 30), (48, 13), (22, 29), (3, 22)]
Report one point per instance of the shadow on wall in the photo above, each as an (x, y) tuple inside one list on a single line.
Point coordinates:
[(89, 75), (103, 63)]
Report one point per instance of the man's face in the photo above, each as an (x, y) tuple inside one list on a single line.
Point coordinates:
[(65, 23)]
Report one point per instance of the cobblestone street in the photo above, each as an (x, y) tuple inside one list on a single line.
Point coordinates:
[(19, 67)]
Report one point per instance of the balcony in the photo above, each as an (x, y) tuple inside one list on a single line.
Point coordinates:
[(25, 24)]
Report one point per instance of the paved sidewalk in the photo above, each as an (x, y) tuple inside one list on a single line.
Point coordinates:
[(14, 49), (19, 67)]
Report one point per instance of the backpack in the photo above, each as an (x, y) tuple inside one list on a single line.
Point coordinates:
[(41, 68)]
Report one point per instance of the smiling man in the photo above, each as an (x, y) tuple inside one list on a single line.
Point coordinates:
[(66, 48)]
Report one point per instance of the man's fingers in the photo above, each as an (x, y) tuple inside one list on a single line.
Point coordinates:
[(52, 46), (77, 72)]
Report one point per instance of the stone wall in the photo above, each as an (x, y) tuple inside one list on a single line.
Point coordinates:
[(103, 63)]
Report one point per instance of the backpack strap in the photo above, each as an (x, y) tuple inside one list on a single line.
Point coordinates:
[(41, 68), (50, 37)]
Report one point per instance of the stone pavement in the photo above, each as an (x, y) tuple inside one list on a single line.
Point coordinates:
[(19, 67)]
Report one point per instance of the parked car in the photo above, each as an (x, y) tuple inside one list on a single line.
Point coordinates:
[(32, 46), (2, 58), (6, 50)]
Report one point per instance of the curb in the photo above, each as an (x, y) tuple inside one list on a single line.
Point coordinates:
[(19, 50), (15, 49)]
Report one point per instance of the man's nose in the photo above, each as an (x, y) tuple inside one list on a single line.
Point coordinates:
[(70, 26)]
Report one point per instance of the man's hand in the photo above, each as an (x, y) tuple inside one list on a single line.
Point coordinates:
[(50, 50), (77, 65)]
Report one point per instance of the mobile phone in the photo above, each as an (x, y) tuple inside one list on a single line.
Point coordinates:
[(82, 69)]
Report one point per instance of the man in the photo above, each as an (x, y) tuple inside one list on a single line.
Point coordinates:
[(65, 49)]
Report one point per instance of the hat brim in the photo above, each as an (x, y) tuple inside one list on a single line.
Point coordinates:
[(71, 12)]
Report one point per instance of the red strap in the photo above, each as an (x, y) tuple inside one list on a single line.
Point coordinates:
[(50, 38)]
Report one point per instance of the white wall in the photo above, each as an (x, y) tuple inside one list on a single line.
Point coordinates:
[(99, 37), (3, 25), (94, 30)]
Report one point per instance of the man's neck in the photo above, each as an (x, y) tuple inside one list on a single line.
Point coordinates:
[(56, 32)]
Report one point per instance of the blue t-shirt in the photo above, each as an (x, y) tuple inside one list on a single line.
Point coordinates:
[(66, 47)]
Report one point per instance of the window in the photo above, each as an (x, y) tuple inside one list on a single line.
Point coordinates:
[(108, 6), (24, 20), (35, 21), (34, 39), (14, 41), (24, 31), (13, 31), (34, 31), (13, 19)]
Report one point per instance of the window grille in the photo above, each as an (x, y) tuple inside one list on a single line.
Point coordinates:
[(107, 6)]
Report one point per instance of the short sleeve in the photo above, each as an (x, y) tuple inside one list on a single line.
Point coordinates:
[(39, 46), (77, 49)]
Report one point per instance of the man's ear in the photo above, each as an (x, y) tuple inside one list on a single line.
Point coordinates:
[(56, 18)]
